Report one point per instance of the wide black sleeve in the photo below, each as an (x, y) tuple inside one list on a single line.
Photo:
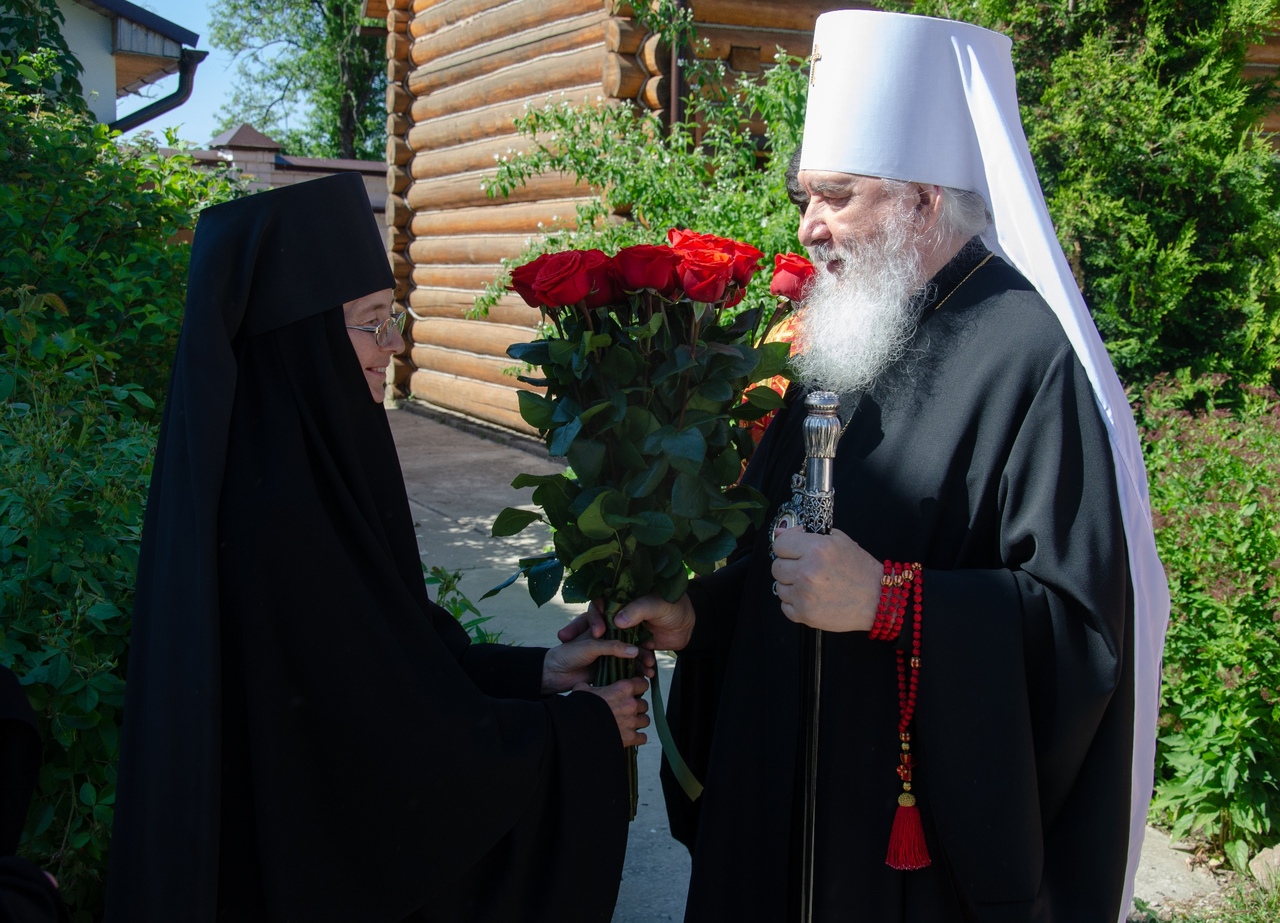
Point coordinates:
[(1025, 702)]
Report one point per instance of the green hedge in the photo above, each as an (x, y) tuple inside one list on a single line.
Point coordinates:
[(1215, 480)]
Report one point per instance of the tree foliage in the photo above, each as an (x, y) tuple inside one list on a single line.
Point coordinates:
[(34, 27), (1165, 197), (305, 76), (104, 227)]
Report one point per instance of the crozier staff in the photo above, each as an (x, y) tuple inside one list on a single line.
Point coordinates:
[(992, 606), (306, 735)]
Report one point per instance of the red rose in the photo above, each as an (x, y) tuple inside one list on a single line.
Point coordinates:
[(601, 274), (791, 275), (523, 278), (563, 279), (745, 258), (705, 274), (647, 266)]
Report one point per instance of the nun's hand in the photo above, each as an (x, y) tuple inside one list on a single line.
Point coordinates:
[(571, 663), (629, 709)]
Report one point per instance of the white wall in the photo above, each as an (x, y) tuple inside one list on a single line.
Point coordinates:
[(88, 35)]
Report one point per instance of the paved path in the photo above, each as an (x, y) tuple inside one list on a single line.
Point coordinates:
[(458, 476)]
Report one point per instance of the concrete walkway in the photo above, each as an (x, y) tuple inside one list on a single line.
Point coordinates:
[(458, 475)]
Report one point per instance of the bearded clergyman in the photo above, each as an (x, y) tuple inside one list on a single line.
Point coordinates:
[(990, 599)]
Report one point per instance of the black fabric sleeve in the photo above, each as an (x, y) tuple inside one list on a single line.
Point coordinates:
[(505, 672)]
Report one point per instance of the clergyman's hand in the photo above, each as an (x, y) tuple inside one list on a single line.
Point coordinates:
[(629, 709), (826, 581), (671, 624), (570, 664)]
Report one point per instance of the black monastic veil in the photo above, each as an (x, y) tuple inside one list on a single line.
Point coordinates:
[(307, 736)]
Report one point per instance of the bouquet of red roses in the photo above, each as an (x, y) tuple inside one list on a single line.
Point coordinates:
[(645, 376)]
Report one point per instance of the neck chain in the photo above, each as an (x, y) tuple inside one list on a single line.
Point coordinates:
[(963, 281)]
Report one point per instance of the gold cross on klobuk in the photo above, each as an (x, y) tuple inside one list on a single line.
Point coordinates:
[(813, 65)]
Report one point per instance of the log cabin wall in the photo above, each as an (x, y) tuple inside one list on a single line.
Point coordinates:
[(460, 72)]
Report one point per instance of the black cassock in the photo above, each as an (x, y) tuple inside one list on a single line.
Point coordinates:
[(983, 456), (308, 737)]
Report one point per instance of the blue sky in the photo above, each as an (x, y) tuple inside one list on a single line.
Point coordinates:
[(196, 118)]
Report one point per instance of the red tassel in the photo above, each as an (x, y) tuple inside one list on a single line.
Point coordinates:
[(907, 849)]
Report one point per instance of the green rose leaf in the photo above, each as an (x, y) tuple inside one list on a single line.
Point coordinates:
[(688, 499), (595, 519), (563, 437), (586, 457), (535, 409), (652, 528), (512, 521), (645, 483), (535, 353), (596, 553), (687, 450), (713, 550), (544, 580)]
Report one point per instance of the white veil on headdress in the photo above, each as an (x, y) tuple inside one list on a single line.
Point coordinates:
[(876, 78)]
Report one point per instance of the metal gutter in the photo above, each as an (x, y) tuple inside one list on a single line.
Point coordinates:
[(187, 65)]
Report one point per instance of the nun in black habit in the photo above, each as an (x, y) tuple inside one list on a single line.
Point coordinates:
[(307, 736)]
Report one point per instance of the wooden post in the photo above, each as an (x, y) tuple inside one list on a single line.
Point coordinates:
[(398, 179)]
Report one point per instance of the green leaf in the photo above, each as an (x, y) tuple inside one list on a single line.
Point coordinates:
[(535, 409), (652, 527), (593, 520), (765, 398), (645, 483), (512, 521), (88, 795), (716, 549), (586, 456), (599, 552), (716, 391), (544, 580), (687, 449), (535, 353), (688, 499), (562, 437)]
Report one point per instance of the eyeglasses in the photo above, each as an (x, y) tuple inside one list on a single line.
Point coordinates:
[(382, 332)]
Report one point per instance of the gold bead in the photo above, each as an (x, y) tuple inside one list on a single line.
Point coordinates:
[(915, 663), (907, 800), (906, 747), (906, 786)]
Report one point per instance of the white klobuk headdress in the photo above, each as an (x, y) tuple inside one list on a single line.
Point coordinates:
[(877, 79)]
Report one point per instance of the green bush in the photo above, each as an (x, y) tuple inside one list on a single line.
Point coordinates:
[(105, 227), (710, 172), (1215, 474), (77, 460), (1166, 198)]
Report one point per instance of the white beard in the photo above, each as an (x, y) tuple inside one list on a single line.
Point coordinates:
[(857, 323)]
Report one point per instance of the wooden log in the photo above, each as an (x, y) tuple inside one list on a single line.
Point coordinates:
[(540, 75), (465, 365), (447, 65), (1267, 53), (482, 400), (486, 248), (398, 70), (744, 60), (398, 98), (398, 151), (722, 39), (398, 124), (656, 93), (398, 180), (621, 76), (418, 6), (469, 336), (655, 55), (619, 8), (497, 218), (622, 35), (507, 18), (488, 122), (794, 14), (396, 212), (399, 4), (395, 238), (402, 289), (457, 193), (398, 46), (401, 268), (401, 369), (467, 158), (462, 278), (398, 21), (433, 302)]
